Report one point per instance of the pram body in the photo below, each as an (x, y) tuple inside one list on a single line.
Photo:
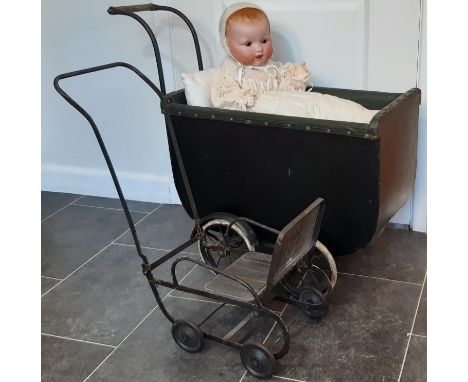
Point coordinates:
[(245, 162)]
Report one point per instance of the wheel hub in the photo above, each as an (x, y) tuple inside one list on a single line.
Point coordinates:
[(254, 362), (258, 360), (187, 335)]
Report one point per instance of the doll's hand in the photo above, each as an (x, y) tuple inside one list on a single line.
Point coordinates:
[(301, 72)]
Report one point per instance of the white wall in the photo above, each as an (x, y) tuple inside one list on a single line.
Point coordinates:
[(82, 34), (361, 44)]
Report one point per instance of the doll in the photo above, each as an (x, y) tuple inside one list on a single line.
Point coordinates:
[(249, 80)]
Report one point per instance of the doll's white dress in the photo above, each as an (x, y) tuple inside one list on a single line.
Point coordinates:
[(277, 90)]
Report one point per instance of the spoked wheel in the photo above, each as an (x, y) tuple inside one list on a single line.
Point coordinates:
[(221, 245), (187, 335), (258, 360)]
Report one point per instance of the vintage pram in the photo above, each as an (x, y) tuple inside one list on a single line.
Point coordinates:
[(275, 170)]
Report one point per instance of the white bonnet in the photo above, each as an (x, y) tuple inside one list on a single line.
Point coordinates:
[(222, 22)]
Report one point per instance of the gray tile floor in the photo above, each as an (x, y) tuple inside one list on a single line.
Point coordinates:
[(100, 321)]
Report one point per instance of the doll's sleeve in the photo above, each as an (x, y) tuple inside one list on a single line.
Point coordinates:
[(226, 93), (290, 78)]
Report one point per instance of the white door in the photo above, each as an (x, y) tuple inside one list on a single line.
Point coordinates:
[(355, 44)]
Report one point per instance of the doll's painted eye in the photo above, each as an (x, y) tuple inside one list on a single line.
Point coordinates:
[(264, 41), (248, 43)]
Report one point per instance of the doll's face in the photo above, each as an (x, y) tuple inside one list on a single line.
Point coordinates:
[(250, 42)]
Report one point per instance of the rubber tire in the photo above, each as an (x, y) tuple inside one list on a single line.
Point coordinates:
[(188, 336), (253, 354), (330, 260)]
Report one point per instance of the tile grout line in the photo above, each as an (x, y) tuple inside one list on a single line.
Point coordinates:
[(69, 204), (380, 278), (107, 246), (77, 340), (288, 379), (136, 327), (418, 335), (52, 278), (412, 327), (109, 208), (157, 249)]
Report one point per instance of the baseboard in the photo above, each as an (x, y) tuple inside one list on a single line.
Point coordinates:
[(98, 182), (404, 227)]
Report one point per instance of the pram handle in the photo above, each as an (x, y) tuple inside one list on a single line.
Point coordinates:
[(97, 69), (85, 114), (129, 10), (132, 8)]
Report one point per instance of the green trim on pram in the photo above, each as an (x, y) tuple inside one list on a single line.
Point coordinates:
[(175, 104)]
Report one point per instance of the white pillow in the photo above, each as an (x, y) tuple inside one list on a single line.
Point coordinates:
[(198, 87)]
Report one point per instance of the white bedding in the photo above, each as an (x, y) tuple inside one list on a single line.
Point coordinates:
[(299, 104), (312, 105)]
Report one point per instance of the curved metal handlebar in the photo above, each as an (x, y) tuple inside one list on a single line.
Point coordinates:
[(129, 11), (85, 114), (132, 8), (96, 69)]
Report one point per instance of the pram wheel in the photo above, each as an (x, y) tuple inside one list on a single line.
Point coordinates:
[(187, 335), (221, 247), (258, 360)]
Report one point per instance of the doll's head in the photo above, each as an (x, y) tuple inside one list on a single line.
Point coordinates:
[(247, 35)]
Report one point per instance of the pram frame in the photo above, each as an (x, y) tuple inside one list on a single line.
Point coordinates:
[(148, 267), (257, 307)]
